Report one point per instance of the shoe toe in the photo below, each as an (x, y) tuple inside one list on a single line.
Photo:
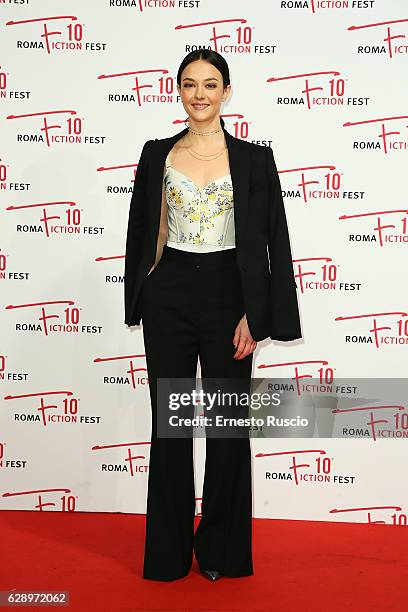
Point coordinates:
[(212, 574)]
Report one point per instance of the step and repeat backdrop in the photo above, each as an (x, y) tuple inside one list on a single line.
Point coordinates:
[(82, 87)]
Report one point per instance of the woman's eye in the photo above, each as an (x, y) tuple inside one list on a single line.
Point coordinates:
[(211, 85)]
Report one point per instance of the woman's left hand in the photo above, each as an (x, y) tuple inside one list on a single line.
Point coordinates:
[(243, 341)]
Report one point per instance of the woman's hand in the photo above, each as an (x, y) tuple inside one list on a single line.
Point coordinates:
[(243, 341)]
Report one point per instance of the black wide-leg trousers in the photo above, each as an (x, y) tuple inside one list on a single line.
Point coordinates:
[(191, 305)]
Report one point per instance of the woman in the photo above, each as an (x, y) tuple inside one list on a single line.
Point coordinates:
[(206, 215)]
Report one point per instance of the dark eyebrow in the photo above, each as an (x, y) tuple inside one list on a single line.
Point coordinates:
[(209, 79)]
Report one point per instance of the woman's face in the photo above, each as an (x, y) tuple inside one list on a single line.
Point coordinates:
[(202, 91)]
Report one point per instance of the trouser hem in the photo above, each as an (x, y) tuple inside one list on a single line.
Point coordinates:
[(164, 579)]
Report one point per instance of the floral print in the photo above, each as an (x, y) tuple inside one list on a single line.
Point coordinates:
[(199, 215)]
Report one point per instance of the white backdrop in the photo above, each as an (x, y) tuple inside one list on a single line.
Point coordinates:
[(82, 87)]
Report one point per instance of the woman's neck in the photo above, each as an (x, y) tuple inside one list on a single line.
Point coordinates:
[(203, 143)]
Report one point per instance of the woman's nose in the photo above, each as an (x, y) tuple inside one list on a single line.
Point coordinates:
[(200, 92)]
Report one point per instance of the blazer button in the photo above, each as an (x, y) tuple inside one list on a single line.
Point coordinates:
[(244, 268)]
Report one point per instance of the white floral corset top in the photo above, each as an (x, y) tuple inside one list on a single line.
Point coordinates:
[(199, 218)]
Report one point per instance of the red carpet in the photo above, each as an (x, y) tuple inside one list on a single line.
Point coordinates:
[(308, 566)]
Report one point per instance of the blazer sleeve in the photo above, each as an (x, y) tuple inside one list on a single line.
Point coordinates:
[(135, 230), (285, 320)]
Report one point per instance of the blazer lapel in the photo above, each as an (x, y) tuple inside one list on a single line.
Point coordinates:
[(239, 162)]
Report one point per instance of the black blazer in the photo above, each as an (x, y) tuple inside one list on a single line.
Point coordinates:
[(269, 287)]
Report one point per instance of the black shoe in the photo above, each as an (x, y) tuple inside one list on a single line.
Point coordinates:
[(211, 574)]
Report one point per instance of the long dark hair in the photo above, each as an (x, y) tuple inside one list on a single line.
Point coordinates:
[(213, 58)]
